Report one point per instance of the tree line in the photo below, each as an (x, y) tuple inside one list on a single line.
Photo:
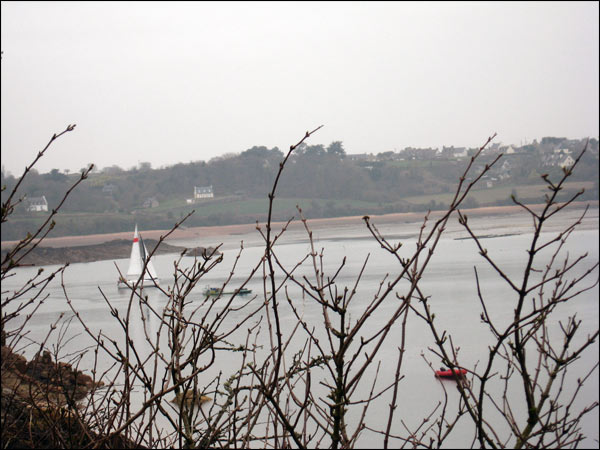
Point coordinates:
[(314, 172)]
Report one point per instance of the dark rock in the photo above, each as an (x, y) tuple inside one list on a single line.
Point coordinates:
[(116, 249)]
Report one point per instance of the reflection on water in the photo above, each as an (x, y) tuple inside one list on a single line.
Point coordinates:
[(449, 281)]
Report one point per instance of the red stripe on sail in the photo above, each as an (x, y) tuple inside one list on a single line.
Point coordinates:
[(135, 239)]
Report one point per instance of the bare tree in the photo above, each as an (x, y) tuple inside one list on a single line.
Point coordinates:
[(525, 351), (302, 383)]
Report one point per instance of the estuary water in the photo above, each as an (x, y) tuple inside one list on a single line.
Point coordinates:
[(449, 282)]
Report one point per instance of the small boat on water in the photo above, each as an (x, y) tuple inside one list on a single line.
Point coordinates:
[(137, 259), (450, 373), (212, 291)]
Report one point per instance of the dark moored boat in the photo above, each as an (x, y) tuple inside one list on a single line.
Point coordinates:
[(218, 291)]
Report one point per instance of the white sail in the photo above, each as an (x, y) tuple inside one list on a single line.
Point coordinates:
[(150, 271), (137, 258)]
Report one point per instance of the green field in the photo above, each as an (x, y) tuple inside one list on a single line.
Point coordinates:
[(237, 209), (248, 206), (494, 195)]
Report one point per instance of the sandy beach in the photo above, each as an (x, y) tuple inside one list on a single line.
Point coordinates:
[(213, 232)]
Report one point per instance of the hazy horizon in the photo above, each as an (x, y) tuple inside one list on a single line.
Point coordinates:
[(177, 82)]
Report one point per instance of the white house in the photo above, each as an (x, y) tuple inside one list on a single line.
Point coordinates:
[(200, 193), (37, 204), (567, 162), (462, 153), (203, 192)]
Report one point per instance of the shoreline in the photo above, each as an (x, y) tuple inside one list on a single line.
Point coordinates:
[(315, 224)]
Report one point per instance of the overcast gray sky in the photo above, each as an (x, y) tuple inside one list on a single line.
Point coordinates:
[(178, 82)]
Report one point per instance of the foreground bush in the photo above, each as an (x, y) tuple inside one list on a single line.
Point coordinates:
[(297, 384)]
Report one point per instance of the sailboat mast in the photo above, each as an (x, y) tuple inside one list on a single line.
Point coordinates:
[(146, 262), (143, 250)]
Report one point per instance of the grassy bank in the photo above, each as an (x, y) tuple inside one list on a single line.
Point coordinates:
[(238, 210)]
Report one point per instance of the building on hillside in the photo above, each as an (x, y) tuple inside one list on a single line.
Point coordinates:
[(504, 172), (493, 148), (454, 152), (361, 157), (203, 192), (150, 202), (109, 189), (567, 162), (200, 193), (37, 204), (423, 154), (562, 151), (557, 159)]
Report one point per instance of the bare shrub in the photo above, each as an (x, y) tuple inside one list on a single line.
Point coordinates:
[(303, 383)]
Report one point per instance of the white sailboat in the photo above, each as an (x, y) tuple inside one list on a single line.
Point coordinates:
[(139, 255)]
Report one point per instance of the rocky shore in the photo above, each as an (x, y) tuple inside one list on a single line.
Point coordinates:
[(115, 249), (59, 250), (39, 402), (42, 383)]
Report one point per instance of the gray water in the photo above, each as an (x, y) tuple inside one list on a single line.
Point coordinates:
[(449, 281)]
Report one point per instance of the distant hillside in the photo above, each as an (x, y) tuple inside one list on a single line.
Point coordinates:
[(323, 181)]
